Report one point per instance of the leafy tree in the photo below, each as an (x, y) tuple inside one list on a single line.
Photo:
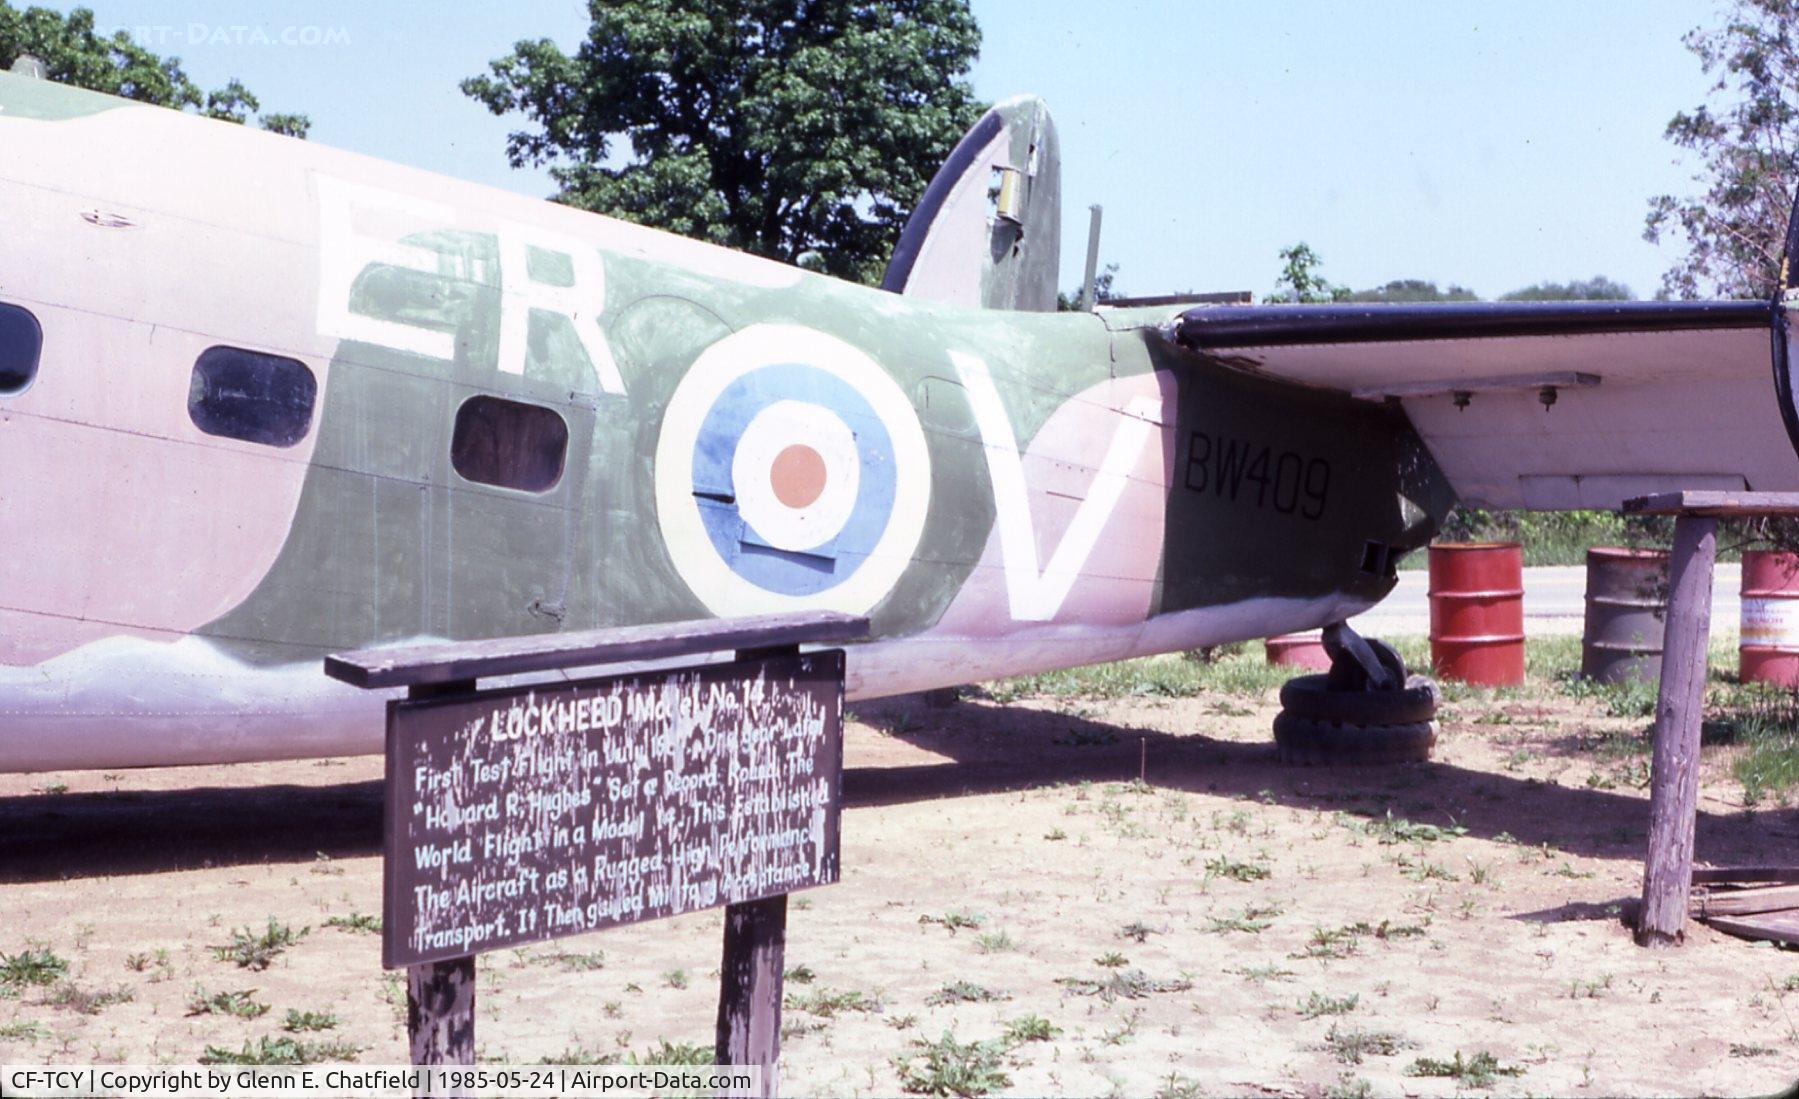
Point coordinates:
[(802, 130), (1103, 291), (1412, 290), (73, 52), (1597, 288), (1748, 139), (1300, 280)]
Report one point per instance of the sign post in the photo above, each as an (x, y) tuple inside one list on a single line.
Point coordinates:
[(527, 813)]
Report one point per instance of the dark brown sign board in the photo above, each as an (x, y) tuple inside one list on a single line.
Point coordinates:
[(532, 813)]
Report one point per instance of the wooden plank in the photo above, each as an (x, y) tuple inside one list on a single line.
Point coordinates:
[(440, 1012), (1779, 927), (1715, 504), (1710, 875), (404, 667), (1738, 902), (1674, 769), (749, 987)]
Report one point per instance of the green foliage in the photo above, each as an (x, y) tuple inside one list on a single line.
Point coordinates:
[(1597, 288), (964, 992), (1481, 1070), (1350, 1045), (1125, 984), (73, 52), (1411, 290), (828, 1003), (279, 1051), (676, 1053), (801, 131), (33, 966), (1747, 142), (948, 1067), (363, 922), (1300, 280), (298, 1022), (255, 950), (241, 1004), (1031, 1028), (1318, 1004)]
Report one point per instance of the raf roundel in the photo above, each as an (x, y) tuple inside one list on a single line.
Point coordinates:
[(791, 474)]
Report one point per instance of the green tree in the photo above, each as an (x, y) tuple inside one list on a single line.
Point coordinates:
[(1412, 290), (1300, 280), (73, 52), (1748, 143), (1597, 288), (801, 130)]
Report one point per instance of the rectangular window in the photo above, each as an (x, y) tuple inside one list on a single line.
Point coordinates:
[(20, 342), (247, 395), (512, 445)]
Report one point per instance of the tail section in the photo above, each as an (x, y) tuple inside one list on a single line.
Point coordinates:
[(987, 232)]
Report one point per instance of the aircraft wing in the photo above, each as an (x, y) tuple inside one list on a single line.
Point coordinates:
[(1546, 405)]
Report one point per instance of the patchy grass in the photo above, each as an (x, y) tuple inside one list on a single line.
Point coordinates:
[(1253, 919), (675, 1053), (1479, 1070), (241, 1004), (87, 1001), (828, 1003), (33, 966), (1350, 1045), (964, 992), (948, 1067), (1224, 867), (358, 922), (955, 921), (24, 1031), (1124, 984), (300, 1022), (1318, 1005), (1391, 829), (1243, 673), (257, 949), (1031, 1028), (994, 942), (280, 1051)]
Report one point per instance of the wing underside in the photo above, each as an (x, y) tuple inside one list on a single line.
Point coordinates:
[(1545, 405)]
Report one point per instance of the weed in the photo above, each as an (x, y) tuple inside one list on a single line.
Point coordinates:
[(22, 1032), (1137, 931), (301, 1021), (255, 950), (994, 942), (829, 1004), (1391, 830), (1223, 867), (280, 1051), (1739, 1050), (1031, 1028), (666, 1052), (1055, 835), (800, 975), (955, 921), (1253, 920), (675, 978), (964, 992), (1177, 1086), (1112, 959), (1349, 1087), (359, 922), (1330, 943), (948, 1067), (88, 1001), (1481, 1070), (1127, 984), (902, 1022), (1350, 1046), (240, 1004), (1589, 990), (1260, 973), (574, 962), (1317, 1005), (34, 966)]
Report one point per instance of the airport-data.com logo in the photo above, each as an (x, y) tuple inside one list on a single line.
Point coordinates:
[(311, 35)]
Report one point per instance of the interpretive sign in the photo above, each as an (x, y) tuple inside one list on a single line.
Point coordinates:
[(525, 814)]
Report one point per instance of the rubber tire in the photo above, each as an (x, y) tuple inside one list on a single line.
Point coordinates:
[(1303, 741), (1310, 696)]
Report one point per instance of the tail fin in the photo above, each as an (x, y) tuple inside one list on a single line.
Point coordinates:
[(988, 230)]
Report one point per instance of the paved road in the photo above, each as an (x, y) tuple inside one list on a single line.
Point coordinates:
[(1554, 602)]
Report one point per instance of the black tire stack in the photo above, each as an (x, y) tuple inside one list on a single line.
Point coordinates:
[(1324, 724)]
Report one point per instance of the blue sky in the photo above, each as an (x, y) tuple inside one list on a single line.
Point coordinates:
[(1492, 145)]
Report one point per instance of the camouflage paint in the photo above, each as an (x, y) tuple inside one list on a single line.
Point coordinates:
[(181, 618)]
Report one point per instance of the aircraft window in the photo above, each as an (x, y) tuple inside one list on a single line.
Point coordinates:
[(20, 341), (505, 443), (251, 396)]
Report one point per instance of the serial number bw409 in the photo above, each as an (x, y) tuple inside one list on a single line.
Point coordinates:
[(1287, 481)]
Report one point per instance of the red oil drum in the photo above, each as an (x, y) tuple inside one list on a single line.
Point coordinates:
[(1298, 650), (1477, 612), (1769, 649)]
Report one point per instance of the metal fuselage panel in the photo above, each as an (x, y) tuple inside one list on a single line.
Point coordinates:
[(1001, 492)]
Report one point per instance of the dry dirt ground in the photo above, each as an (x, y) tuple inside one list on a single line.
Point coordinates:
[(1228, 926)]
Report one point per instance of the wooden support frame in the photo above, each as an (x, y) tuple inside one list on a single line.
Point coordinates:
[(1680, 701), (440, 1013)]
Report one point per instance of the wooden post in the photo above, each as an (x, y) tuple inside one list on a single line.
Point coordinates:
[(749, 987), (1680, 706), (440, 996), (440, 1011)]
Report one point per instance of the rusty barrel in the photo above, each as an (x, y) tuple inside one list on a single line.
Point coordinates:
[(1298, 650), (1477, 612), (1627, 608), (1769, 648)]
